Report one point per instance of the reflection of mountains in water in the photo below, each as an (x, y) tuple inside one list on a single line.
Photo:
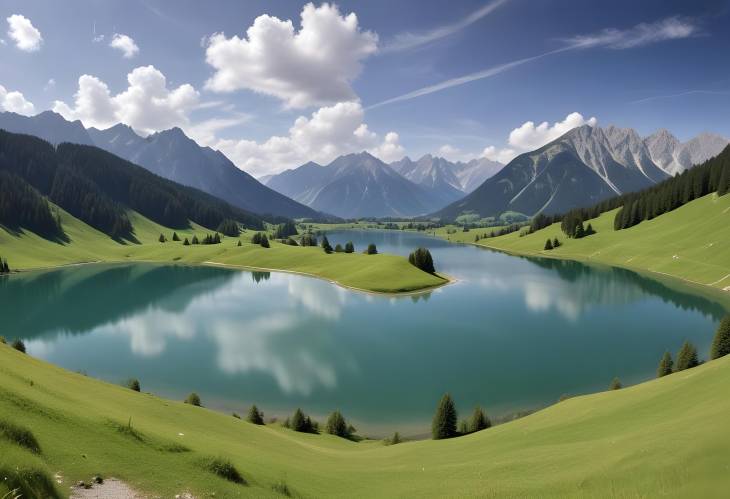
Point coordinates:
[(621, 286), (78, 299)]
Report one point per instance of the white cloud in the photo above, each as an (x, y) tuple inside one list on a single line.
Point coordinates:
[(329, 132), (50, 85), (25, 35), (15, 102), (529, 136), (671, 28), (125, 44), (147, 105), (405, 41), (310, 67)]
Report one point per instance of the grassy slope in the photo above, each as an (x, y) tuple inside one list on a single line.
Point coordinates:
[(666, 437), (690, 243), (383, 273)]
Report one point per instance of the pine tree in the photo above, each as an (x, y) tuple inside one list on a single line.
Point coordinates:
[(556, 243), (193, 399), (186, 242), (444, 421), (395, 439), (336, 425), (298, 421), (665, 365), (255, 416), (548, 245), (133, 384), (349, 247), (421, 258), (195, 239), (372, 250), (687, 357), (19, 345), (264, 241), (721, 342), (175, 237), (326, 245), (615, 384), (339, 248), (239, 243), (162, 238), (479, 420), (216, 238)]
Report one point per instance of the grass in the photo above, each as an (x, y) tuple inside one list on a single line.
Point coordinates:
[(667, 437), (377, 273), (690, 243)]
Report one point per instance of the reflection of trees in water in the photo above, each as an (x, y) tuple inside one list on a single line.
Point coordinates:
[(616, 285), (260, 276), (420, 296), (81, 298)]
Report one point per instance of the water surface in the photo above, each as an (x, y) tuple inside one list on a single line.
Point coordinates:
[(512, 334)]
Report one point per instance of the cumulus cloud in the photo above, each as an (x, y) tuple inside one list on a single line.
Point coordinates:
[(671, 28), (125, 44), (326, 134), (147, 105), (15, 102), (310, 67), (529, 136), (23, 33)]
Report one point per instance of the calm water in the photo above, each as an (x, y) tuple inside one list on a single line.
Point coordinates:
[(512, 334)]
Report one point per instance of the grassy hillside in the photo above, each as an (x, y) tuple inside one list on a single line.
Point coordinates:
[(690, 243), (667, 437), (380, 273)]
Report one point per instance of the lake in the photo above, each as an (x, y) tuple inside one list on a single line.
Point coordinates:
[(512, 334)]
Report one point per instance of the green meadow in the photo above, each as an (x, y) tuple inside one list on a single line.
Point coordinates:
[(376, 273), (667, 437)]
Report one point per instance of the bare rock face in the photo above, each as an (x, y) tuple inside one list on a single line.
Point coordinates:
[(674, 156)]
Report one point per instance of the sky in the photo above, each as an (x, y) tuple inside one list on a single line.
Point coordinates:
[(274, 84)]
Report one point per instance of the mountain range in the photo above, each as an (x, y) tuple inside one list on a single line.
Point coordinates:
[(170, 154), (584, 166)]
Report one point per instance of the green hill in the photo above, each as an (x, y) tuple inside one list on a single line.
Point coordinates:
[(667, 437)]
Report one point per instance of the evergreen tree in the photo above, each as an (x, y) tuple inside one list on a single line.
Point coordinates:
[(256, 238), (556, 243), (239, 243), (579, 231), (195, 239), (421, 258), (548, 245), (444, 421), (308, 239), (615, 384), (298, 421), (175, 237), (687, 357), (264, 241), (19, 345), (339, 248), (336, 425), (255, 416), (665, 365), (479, 420), (186, 242), (193, 399), (326, 245), (162, 238), (395, 439), (349, 247), (721, 342), (589, 230), (133, 384), (372, 250)]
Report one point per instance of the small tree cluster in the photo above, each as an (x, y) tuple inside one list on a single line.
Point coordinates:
[(721, 342), (283, 231), (349, 247), (133, 384), (372, 250), (666, 365), (687, 357), (162, 238), (308, 239), (255, 416), (336, 425), (193, 399), (301, 423), (229, 228), (260, 239), (421, 258), (4, 267), (195, 240), (326, 245), (19, 345), (212, 239)]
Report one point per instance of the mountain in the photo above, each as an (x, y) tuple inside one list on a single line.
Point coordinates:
[(98, 188), (473, 173), (173, 155), (49, 126), (354, 186), (584, 166), (434, 174), (675, 157), (170, 154)]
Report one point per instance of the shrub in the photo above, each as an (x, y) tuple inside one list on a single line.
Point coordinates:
[(372, 250), (721, 342), (349, 247), (665, 365), (224, 469), (193, 399), (19, 435), (444, 421), (236, 415), (421, 258), (255, 416), (687, 357), (615, 384), (133, 384), (19, 345)]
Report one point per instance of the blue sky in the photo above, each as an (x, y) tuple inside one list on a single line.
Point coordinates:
[(646, 65)]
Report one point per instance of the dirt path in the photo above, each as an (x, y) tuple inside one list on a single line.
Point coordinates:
[(110, 489)]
